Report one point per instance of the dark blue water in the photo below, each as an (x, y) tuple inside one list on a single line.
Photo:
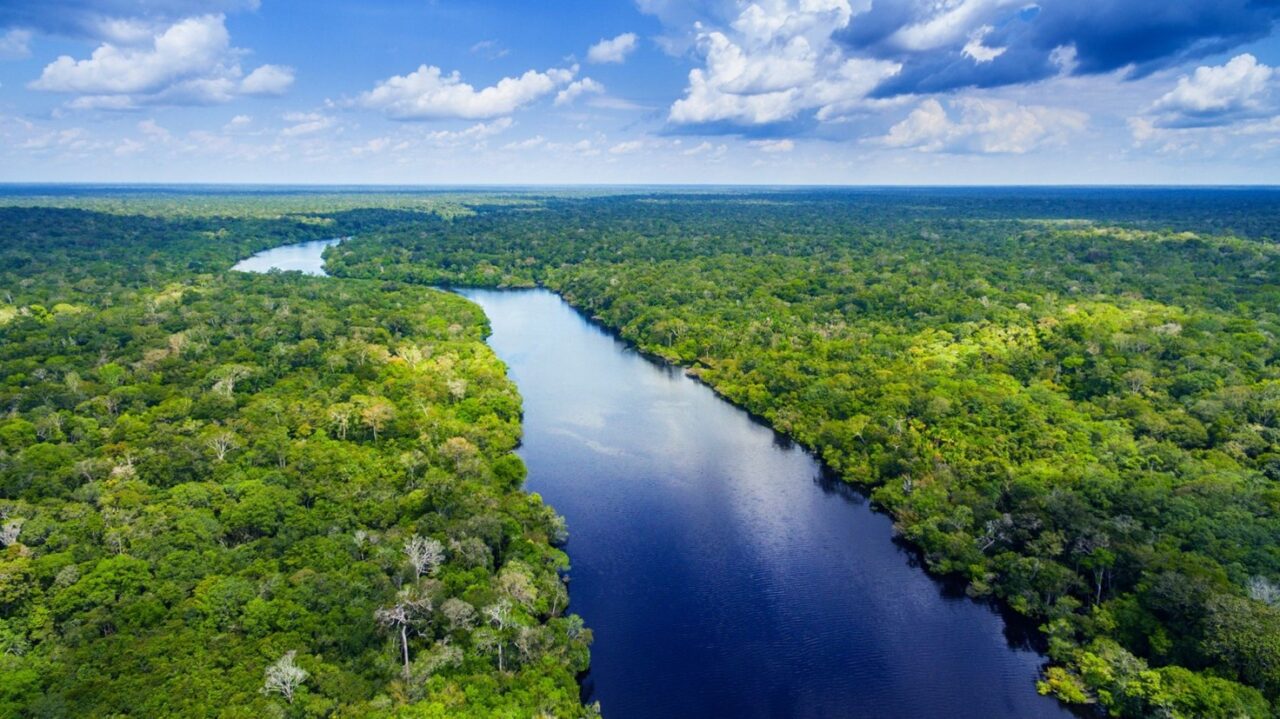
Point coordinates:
[(723, 576), (722, 573)]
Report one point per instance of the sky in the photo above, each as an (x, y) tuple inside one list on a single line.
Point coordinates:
[(768, 92)]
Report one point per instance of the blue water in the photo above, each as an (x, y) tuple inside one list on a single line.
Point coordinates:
[(723, 573), (304, 257)]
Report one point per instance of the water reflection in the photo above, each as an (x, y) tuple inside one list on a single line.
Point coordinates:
[(723, 570), (304, 257)]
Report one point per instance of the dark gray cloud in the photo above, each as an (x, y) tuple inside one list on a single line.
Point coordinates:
[(1095, 36)]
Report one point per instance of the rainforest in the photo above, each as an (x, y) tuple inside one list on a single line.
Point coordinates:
[(227, 494)]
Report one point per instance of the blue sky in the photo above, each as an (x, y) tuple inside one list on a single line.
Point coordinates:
[(641, 91)]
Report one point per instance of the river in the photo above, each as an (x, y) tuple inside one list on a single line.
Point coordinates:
[(723, 572)]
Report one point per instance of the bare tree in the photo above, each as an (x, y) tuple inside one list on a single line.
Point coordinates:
[(10, 531), (399, 617), (226, 376), (425, 554), (284, 677), (340, 415), (500, 617), (1264, 590), (221, 442)]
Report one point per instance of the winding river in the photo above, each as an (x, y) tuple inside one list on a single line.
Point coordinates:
[(723, 573)]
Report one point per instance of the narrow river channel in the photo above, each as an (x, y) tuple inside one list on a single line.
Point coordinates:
[(722, 573)]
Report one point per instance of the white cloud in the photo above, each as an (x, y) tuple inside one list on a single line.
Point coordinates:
[(775, 60), (305, 123), (15, 44), (190, 62), (267, 80), (475, 133), (489, 49), (153, 131), (983, 126), (950, 22), (615, 50), (773, 146), (128, 147), (978, 52), (428, 94), (527, 144), (1213, 94), (626, 148), (706, 148), (577, 88)]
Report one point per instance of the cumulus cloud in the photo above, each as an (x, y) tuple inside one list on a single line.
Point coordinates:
[(774, 61), (615, 50), (990, 43), (942, 46), (267, 80), (429, 94), (190, 62), (577, 88), (1215, 95), (983, 126)]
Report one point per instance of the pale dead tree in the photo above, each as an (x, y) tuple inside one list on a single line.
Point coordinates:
[(340, 415), (1264, 590), (9, 532), (400, 617), (221, 443), (425, 554), (360, 538), (500, 617), (457, 388), (411, 355), (49, 426), (225, 378), (177, 343), (995, 530), (87, 468), (284, 677), (527, 643)]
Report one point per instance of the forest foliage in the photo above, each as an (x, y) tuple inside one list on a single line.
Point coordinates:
[(1071, 399), (233, 495)]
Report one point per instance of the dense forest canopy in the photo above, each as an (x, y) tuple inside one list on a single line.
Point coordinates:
[(232, 495), (226, 495), (1070, 398)]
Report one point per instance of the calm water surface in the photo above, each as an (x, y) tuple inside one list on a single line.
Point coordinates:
[(723, 575), (303, 257)]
